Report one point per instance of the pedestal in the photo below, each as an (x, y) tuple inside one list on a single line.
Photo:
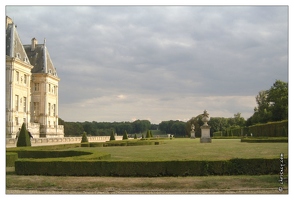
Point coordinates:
[(205, 134), (192, 135)]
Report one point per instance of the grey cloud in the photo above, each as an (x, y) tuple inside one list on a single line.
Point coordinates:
[(160, 52)]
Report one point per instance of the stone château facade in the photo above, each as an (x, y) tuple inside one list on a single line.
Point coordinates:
[(31, 87)]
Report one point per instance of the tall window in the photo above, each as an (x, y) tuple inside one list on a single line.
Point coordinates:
[(24, 104), (16, 120), (25, 79), (36, 86), (49, 88), (49, 109), (54, 107), (36, 111), (16, 102), (17, 76)]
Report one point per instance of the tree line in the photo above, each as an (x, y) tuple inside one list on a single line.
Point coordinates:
[(272, 105), (106, 128)]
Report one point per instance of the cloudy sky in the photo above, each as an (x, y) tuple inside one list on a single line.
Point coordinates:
[(122, 63)]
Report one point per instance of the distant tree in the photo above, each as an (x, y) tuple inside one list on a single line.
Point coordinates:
[(148, 134), (112, 137), (135, 137), (151, 134), (125, 136), (24, 139), (84, 137)]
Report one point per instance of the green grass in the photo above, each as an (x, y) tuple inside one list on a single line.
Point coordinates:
[(183, 184), (192, 149)]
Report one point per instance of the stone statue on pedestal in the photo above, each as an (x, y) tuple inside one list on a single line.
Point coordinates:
[(192, 132), (205, 129)]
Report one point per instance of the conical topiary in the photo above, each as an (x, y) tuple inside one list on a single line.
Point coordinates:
[(148, 134), (24, 139), (151, 135), (125, 136), (84, 137), (135, 137), (112, 136)]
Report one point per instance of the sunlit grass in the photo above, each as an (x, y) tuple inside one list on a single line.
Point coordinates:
[(192, 149)]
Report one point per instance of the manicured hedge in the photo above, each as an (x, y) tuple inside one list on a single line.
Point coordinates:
[(132, 142), (147, 168), (270, 129), (10, 159), (265, 140)]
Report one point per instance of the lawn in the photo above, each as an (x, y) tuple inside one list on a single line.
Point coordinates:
[(192, 149)]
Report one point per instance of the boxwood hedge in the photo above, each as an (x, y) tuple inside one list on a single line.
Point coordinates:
[(146, 168)]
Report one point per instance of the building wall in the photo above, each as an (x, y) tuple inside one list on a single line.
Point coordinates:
[(18, 96)]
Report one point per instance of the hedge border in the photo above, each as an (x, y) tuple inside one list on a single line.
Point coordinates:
[(11, 157), (148, 168), (265, 140)]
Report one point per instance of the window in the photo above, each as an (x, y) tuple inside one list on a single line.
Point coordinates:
[(49, 88), (36, 111), (49, 106), (16, 102), (24, 104), (36, 86), (17, 76), (16, 120), (54, 106), (25, 79)]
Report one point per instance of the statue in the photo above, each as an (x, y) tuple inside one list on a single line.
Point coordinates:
[(205, 118), (192, 127), (192, 131), (205, 129)]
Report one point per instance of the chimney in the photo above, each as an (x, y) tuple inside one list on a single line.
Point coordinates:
[(34, 43)]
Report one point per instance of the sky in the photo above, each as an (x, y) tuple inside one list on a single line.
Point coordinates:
[(123, 63)]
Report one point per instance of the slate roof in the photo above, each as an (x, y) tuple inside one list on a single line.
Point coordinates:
[(14, 47), (40, 59)]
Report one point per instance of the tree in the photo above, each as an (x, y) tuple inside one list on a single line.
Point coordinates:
[(135, 137), (84, 137), (24, 139), (125, 136), (148, 134), (272, 104), (112, 137), (278, 100)]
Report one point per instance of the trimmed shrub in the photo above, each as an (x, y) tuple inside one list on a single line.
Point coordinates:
[(84, 137), (125, 135), (85, 144), (10, 159), (96, 144), (63, 167), (148, 134), (270, 129), (112, 137), (24, 139), (135, 137), (265, 140)]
